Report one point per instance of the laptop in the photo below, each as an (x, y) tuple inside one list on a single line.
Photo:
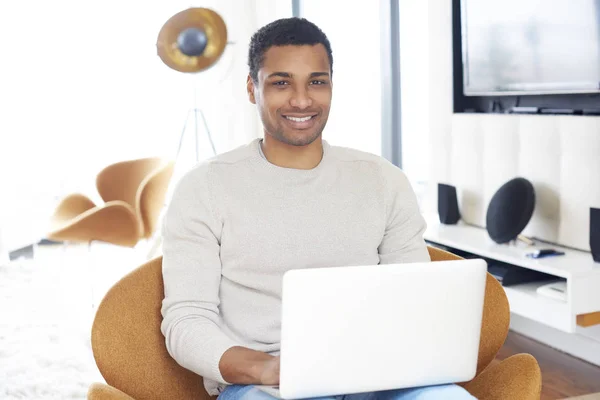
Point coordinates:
[(368, 328)]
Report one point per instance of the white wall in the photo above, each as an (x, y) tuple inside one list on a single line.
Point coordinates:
[(440, 90), (355, 116), (426, 79), (414, 94)]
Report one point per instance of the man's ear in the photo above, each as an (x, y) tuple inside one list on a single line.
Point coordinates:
[(250, 89)]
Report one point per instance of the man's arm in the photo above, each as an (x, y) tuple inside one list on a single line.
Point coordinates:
[(192, 276), (249, 367), (403, 239)]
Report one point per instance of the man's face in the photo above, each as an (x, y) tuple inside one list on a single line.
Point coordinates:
[(293, 93)]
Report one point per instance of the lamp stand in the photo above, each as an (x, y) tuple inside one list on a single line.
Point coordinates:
[(194, 112)]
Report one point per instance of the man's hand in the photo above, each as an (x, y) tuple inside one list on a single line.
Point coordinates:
[(243, 366), (270, 372)]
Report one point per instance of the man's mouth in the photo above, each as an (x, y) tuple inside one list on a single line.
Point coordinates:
[(300, 121)]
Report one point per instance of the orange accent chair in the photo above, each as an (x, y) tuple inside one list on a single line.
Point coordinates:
[(131, 355), (134, 193)]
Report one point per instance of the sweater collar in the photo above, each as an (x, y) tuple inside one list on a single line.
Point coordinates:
[(257, 150)]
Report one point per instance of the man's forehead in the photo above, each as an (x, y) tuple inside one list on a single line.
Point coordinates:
[(296, 57)]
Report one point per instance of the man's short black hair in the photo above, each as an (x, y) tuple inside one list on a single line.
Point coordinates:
[(286, 31)]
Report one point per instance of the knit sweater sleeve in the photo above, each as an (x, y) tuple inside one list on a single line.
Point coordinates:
[(192, 275), (403, 240)]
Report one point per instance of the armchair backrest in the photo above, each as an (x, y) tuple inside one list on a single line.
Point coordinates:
[(151, 196), (128, 345), (141, 183), (130, 350)]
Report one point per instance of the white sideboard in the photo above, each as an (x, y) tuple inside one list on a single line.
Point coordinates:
[(577, 267), (569, 319)]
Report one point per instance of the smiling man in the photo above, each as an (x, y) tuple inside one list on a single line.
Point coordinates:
[(237, 222)]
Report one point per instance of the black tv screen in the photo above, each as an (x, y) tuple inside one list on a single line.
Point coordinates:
[(520, 47)]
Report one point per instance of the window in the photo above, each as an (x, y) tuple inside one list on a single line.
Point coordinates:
[(415, 93)]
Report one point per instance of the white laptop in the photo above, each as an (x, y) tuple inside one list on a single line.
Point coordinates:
[(370, 328)]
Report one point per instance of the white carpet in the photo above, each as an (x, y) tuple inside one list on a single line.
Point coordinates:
[(45, 321)]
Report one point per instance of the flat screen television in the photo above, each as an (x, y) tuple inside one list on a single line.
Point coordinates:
[(522, 47)]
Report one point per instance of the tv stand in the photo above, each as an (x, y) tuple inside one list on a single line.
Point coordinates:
[(578, 315)]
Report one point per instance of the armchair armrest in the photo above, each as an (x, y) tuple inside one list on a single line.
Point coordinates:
[(517, 377)]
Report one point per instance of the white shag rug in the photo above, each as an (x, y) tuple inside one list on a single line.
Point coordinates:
[(45, 323)]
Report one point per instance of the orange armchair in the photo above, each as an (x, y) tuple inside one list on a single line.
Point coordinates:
[(130, 351), (133, 191)]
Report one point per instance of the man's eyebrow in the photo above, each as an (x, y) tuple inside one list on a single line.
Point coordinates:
[(288, 75), (280, 74)]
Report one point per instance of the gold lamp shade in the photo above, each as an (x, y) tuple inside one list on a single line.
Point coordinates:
[(203, 21)]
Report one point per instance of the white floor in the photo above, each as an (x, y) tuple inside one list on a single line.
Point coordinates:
[(46, 312)]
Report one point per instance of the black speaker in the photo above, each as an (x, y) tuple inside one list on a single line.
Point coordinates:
[(447, 204), (510, 210), (595, 233)]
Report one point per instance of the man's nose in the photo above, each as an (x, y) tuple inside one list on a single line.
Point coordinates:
[(300, 99)]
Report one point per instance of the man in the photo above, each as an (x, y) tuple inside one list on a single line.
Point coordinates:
[(239, 221)]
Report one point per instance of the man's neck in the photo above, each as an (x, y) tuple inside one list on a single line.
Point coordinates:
[(288, 156)]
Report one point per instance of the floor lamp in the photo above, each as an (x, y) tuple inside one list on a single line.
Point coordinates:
[(191, 41)]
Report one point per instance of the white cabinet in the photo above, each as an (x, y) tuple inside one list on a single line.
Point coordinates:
[(582, 275)]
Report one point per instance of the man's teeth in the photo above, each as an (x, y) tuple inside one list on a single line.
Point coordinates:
[(303, 119)]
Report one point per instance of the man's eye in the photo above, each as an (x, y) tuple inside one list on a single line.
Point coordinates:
[(317, 82), (280, 83)]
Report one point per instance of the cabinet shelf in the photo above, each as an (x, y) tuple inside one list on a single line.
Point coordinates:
[(578, 268), (524, 300)]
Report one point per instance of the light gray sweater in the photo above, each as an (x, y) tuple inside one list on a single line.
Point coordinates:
[(236, 223)]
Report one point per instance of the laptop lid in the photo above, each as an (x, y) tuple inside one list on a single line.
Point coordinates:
[(370, 328)]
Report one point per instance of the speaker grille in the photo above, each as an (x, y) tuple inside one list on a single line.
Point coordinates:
[(510, 210)]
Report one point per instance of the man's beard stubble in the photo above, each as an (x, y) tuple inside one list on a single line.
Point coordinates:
[(278, 132)]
